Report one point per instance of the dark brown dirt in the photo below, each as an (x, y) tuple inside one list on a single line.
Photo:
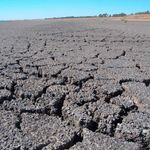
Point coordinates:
[(74, 84)]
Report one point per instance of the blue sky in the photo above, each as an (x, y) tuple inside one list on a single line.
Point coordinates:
[(34, 9)]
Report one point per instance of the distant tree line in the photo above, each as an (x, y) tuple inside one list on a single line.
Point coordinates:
[(114, 15), (146, 12), (102, 15), (123, 14), (70, 17)]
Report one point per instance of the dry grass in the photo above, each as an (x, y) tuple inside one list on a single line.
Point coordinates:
[(141, 17)]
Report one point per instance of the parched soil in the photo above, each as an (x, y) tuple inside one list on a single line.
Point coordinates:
[(80, 84)]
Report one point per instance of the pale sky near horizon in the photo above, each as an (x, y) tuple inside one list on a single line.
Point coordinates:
[(37, 9)]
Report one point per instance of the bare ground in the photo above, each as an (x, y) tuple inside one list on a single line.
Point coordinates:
[(75, 84)]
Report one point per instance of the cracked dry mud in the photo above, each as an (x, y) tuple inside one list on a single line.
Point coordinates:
[(74, 84)]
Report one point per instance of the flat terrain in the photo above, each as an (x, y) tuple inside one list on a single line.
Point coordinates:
[(77, 84)]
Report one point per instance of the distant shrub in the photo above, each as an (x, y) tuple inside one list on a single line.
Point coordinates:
[(103, 15), (119, 15)]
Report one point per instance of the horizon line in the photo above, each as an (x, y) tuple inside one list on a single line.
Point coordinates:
[(65, 17)]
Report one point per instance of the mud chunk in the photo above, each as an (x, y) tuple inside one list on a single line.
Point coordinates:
[(107, 116), (78, 116), (97, 141), (10, 136), (18, 105), (30, 88), (124, 101), (5, 95), (75, 76), (52, 101), (133, 74), (140, 95), (5, 83), (80, 96), (52, 71), (43, 131), (135, 127)]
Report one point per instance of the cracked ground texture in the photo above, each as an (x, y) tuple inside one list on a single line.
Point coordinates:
[(80, 84)]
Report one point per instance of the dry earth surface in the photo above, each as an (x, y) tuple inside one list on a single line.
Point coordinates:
[(77, 84)]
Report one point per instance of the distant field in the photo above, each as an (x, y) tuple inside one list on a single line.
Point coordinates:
[(140, 17)]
